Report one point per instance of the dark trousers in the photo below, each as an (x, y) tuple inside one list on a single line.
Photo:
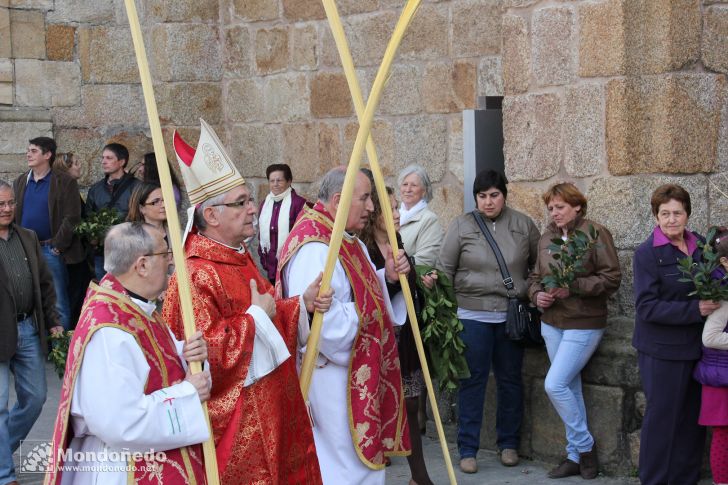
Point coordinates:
[(671, 443), (79, 276), (486, 343)]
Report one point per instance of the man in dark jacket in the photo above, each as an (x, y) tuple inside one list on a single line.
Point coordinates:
[(48, 203), (112, 192), (27, 301)]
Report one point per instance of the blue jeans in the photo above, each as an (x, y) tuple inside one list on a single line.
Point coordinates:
[(60, 285), (569, 351), (486, 344), (28, 368), (99, 271)]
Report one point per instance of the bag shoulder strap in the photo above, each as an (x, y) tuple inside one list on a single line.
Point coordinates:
[(119, 189), (507, 280)]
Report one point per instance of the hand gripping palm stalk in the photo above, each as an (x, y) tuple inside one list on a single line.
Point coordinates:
[(172, 219), (365, 116)]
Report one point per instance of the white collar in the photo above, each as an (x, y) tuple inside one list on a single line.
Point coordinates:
[(147, 307), (240, 249)]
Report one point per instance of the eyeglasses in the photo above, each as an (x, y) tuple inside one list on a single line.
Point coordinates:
[(7, 204), (168, 253), (238, 203), (155, 202)]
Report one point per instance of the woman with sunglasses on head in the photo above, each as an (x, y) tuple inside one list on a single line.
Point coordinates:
[(69, 164), (79, 274)]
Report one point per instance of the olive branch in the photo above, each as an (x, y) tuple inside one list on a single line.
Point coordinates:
[(441, 330), (700, 273), (94, 227), (569, 258), (58, 355)]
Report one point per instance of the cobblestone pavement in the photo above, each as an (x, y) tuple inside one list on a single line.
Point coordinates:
[(490, 469), (43, 428)]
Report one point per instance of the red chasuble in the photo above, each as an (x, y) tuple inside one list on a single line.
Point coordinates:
[(377, 416), (108, 305), (262, 431)]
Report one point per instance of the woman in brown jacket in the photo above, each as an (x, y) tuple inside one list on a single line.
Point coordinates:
[(573, 321)]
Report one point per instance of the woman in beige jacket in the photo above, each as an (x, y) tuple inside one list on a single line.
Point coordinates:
[(420, 230)]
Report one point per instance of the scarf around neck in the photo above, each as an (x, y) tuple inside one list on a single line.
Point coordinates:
[(282, 223), (406, 215)]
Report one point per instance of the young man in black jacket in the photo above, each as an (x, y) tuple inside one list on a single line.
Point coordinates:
[(113, 191)]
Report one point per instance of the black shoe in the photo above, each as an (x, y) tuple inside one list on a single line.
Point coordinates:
[(566, 468), (589, 463)]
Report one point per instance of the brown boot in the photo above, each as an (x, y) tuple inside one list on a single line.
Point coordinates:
[(566, 468), (509, 457), (589, 463), (468, 465)]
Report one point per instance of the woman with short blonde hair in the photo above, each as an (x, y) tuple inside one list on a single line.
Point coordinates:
[(573, 321)]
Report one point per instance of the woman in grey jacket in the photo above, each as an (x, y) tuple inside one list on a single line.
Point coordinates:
[(467, 258)]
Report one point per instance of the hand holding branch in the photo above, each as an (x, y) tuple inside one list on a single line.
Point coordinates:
[(393, 268), (195, 348), (314, 301)]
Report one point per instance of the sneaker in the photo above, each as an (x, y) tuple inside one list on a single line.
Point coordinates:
[(566, 468), (509, 457), (589, 463), (469, 465)]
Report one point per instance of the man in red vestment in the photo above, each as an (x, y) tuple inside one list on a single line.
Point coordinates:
[(260, 423), (125, 389), (356, 397)]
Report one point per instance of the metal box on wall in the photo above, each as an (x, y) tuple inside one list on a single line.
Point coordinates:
[(482, 143)]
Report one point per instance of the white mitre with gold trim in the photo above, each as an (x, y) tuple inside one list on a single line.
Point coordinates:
[(207, 171)]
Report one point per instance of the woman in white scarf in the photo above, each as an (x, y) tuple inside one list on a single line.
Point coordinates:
[(420, 230), (276, 216)]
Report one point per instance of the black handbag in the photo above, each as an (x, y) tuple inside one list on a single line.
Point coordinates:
[(523, 321)]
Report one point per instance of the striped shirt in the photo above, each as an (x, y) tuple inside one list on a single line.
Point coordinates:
[(15, 262)]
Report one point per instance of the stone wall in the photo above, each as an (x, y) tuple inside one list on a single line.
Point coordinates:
[(264, 73), (618, 96), (290, 101)]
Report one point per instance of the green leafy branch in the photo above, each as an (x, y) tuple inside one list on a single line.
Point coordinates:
[(700, 273), (60, 343), (569, 258), (441, 330), (94, 227)]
